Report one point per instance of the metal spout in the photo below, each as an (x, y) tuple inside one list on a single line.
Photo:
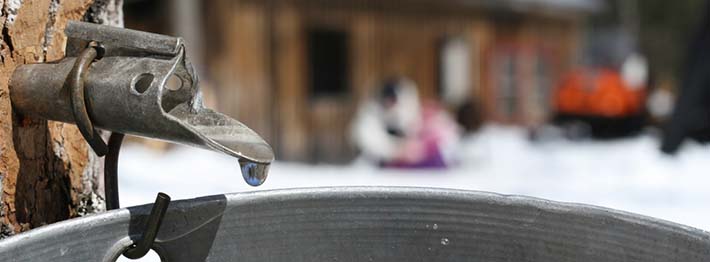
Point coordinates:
[(143, 85)]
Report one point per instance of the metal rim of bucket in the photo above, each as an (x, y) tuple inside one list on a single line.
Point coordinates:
[(369, 223)]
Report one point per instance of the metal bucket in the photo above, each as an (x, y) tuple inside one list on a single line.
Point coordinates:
[(369, 224)]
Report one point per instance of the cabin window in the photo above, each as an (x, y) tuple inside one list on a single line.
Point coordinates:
[(543, 84), (507, 86), (327, 62), (455, 71)]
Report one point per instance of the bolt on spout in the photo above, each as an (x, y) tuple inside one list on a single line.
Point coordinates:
[(143, 85)]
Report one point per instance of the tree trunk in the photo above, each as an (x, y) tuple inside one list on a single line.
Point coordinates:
[(47, 171)]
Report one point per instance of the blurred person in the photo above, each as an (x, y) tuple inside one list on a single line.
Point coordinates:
[(691, 113), (396, 130), (468, 116)]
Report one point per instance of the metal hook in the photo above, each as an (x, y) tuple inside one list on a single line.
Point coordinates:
[(75, 81), (111, 171), (145, 243)]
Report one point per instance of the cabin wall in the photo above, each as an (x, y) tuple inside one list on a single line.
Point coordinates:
[(259, 65)]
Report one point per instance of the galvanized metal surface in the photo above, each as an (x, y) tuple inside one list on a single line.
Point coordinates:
[(127, 91), (369, 224)]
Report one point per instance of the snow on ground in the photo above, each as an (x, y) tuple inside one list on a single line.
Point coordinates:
[(629, 174)]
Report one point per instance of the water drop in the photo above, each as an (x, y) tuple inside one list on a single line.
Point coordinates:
[(254, 173), (444, 241)]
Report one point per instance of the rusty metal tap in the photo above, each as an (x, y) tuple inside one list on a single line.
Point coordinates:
[(137, 83)]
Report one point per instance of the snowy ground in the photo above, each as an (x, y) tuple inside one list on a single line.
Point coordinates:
[(629, 174)]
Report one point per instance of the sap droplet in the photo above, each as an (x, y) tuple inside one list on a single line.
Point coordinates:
[(444, 241), (254, 173)]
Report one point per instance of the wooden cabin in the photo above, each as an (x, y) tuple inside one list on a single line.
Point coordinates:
[(296, 70)]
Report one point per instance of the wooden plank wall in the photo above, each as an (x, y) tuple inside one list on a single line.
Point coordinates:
[(259, 64), (239, 61)]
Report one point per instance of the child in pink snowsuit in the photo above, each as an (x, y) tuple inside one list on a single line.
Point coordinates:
[(396, 130)]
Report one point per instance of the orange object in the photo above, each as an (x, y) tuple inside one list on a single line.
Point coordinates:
[(570, 96), (597, 93)]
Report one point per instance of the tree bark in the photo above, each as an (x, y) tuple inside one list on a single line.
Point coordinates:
[(47, 171)]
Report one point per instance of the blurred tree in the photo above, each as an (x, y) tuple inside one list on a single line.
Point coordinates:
[(692, 110), (666, 30), (660, 29)]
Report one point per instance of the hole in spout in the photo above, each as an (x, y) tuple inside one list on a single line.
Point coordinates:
[(142, 82), (177, 89), (174, 83)]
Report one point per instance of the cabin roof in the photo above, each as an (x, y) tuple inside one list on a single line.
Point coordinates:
[(547, 7), (584, 6), (562, 8)]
